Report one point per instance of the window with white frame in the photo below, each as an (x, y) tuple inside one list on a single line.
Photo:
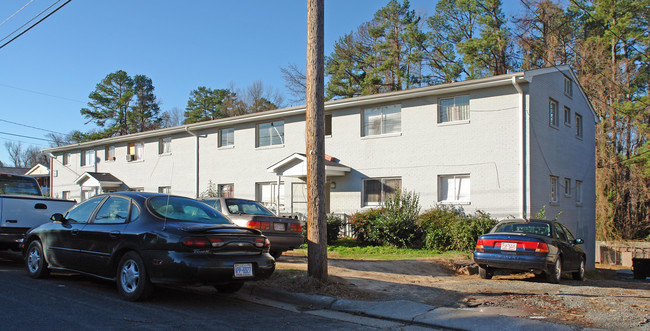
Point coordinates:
[(109, 153), (226, 190), (552, 113), (267, 194), (454, 188), (377, 190), (88, 158), (554, 189), (135, 152), (453, 109), (65, 195), (567, 116), (578, 191), (567, 187), (578, 125), (66, 158), (165, 145), (382, 120), (226, 137), (270, 134), (165, 189), (136, 189), (568, 87)]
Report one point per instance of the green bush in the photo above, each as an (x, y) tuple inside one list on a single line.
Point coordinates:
[(363, 223), (450, 229), (396, 225), (334, 224)]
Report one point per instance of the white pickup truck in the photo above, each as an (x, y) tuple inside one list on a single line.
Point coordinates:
[(23, 206)]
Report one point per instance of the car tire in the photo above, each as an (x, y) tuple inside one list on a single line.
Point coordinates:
[(276, 254), (554, 274), (231, 287), (580, 274), (485, 273), (35, 261), (132, 279)]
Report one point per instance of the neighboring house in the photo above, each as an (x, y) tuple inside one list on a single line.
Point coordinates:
[(13, 170), (42, 175), (509, 145)]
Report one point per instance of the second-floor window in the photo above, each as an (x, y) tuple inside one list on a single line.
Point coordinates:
[(135, 152), (567, 116), (226, 137), (382, 120), (88, 158), (578, 125), (554, 189), (66, 158), (568, 87), (110, 153), (552, 113), (165, 145), (270, 133), (578, 191), (454, 109)]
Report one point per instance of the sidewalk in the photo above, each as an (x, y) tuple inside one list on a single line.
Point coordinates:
[(408, 312)]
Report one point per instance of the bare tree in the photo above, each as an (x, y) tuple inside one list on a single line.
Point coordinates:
[(172, 117), (24, 158), (295, 82)]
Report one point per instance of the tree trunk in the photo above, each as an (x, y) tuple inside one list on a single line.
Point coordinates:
[(316, 219)]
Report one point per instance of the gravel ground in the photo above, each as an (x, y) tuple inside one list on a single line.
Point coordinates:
[(603, 300)]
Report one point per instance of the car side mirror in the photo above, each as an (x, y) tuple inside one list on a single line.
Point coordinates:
[(58, 218), (579, 241)]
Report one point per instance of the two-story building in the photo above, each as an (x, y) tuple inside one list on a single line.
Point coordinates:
[(509, 145)]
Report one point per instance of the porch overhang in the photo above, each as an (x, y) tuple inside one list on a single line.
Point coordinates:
[(295, 165), (98, 179)]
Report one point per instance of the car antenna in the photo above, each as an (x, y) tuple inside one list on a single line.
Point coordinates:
[(165, 220)]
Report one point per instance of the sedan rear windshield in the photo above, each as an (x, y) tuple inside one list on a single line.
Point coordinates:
[(185, 209), (237, 206), (543, 229)]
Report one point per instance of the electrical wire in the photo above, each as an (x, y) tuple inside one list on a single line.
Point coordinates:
[(28, 137), (41, 93), (31, 127), (18, 11), (35, 24)]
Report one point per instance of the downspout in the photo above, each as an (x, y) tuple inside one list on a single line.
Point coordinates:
[(277, 201), (51, 159), (196, 175), (522, 146)]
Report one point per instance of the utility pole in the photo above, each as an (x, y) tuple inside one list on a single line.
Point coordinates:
[(315, 119)]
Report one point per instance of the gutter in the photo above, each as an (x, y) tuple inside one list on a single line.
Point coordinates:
[(196, 164), (522, 147)]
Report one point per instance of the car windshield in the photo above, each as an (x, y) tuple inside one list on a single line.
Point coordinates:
[(185, 209), (18, 185), (538, 228), (237, 206)]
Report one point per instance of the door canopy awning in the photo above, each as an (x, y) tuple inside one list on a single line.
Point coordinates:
[(98, 179), (296, 166)]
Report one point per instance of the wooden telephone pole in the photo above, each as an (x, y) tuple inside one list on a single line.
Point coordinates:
[(316, 218)]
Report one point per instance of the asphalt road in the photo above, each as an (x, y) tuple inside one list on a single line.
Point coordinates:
[(68, 301)]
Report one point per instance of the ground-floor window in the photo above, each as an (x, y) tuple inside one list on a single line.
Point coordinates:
[(65, 195), (226, 190), (377, 190), (267, 194), (165, 189), (454, 188)]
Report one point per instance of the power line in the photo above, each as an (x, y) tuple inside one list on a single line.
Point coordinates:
[(26, 142), (35, 24), (41, 93), (33, 18), (28, 137), (18, 11), (31, 127)]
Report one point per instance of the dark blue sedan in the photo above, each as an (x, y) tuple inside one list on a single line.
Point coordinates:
[(546, 248), (143, 239)]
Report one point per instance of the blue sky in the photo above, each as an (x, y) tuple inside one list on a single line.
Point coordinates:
[(47, 74)]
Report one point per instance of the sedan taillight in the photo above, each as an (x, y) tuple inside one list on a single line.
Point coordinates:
[(479, 246), (541, 248), (196, 242), (262, 242), (296, 227), (260, 225)]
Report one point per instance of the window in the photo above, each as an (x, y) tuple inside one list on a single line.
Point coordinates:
[(567, 187), (552, 113), (454, 109), (454, 188), (568, 87), (377, 190), (554, 189), (136, 189), (226, 137), (135, 152), (109, 153), (114, 211), (88, 158), (328, 124), (578, 191), (271, 133), (165, 189), (165, 146), (66, 158), (567, 116), (226, 190), (65, 195), (578, 125), (267, 194), (382, 120)]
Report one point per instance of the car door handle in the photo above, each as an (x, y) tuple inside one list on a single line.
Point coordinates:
[(40, 206), (114, 234), (75, 232)]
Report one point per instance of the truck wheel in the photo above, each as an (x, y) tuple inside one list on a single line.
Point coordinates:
[(231, 287), (132, 280), (35, 261)]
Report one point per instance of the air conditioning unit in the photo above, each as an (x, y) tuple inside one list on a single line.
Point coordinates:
[(130, 157)]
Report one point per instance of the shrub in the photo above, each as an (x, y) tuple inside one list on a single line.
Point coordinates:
[(363, 223), (450, 229), (333, 228), (396, 225)]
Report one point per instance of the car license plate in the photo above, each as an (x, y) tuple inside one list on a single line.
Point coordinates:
[(243, 270), (279, 226), (508, 246)]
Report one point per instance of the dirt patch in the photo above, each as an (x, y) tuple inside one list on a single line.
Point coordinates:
[(604, 300)]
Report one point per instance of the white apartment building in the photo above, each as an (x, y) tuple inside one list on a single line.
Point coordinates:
[(509, 145)]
